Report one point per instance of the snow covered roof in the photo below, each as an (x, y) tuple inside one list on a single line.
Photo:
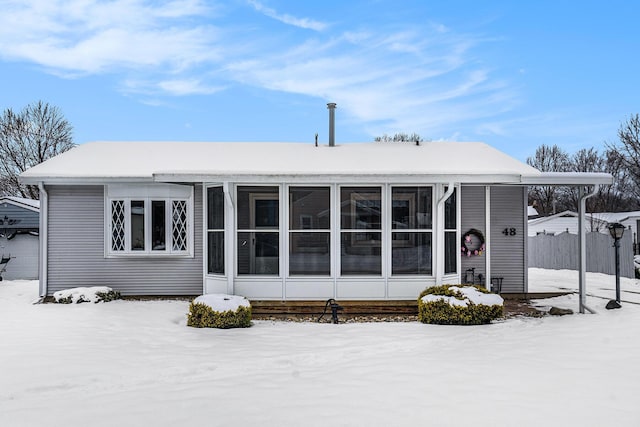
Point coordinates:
[(30, 204), (465, 162), (616, 216)]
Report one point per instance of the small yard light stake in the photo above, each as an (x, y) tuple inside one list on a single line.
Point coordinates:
[(616, 230)]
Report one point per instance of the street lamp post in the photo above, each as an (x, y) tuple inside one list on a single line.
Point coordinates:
[(616, 230)]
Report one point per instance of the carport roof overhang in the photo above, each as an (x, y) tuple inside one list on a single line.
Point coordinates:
[(568, 178)]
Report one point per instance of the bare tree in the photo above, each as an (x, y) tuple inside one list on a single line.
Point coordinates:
[(609, 198), (628, 150), (28, 138), (547, 159), (584, 160), (619, 196), (399, 137)]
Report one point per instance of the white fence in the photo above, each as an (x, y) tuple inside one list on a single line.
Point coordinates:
[(561, 252)]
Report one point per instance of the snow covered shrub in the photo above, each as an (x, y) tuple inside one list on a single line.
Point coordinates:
[(91, 294), (459, 305), (219, 311)]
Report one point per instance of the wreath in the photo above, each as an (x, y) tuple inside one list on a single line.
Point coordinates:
[(471, 246)]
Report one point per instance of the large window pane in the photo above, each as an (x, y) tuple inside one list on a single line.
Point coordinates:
[(309, 208), (215, 208), (450, 212), (309, 254), (215, 252), (360, 253), (137, 225), (158, 225), (450, 252), (411, 208), (215, 235), (258, 208), (258, 253), (411, 253), (360, 208)]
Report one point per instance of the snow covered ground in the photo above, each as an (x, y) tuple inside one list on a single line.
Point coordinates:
[(136, 363)]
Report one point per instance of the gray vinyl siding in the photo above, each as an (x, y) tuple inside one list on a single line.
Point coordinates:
[(508, 258), (29, 220), (76, 250), (472, 211)]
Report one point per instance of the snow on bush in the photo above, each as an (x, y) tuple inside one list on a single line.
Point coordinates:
[(459, 305), (93, 294), (219, 311)]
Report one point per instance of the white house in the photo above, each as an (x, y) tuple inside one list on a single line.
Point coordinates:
[(286, 221)]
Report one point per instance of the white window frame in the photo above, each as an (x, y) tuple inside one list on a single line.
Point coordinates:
[(289, 231), (148, 193), (393, 231)]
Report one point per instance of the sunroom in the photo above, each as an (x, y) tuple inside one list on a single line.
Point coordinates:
[(317, 241)]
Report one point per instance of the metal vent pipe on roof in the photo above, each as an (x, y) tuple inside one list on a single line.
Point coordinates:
[(331, 106)]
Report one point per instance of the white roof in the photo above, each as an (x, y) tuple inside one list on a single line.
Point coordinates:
[(465, 162), (30, 204), (566, 221), (616, 216)]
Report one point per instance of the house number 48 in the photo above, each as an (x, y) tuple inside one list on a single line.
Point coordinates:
[(509, 232)]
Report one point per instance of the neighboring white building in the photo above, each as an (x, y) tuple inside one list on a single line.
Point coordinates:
[(631, 220), (567, 222), (19, 237)]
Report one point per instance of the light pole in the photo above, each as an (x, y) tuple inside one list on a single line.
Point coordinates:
[(616, 230)]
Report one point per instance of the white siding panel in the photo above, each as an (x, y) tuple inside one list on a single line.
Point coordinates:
[(76, 250)]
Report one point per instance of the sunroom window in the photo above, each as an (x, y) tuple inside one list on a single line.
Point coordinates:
[(215, 230), (142, 221), (309, 231), (411, 230), (258, 210), (451, 246), (360, 231)]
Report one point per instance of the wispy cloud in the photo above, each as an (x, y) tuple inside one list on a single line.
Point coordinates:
[(88, 37), (409, 80), (173, 87), (305, 23), (385, 78)]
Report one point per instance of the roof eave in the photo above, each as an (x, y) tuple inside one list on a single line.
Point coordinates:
[(568, 178), (513, 179), (75, 180)]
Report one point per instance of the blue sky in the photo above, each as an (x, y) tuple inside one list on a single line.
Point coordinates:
[(512, 74)]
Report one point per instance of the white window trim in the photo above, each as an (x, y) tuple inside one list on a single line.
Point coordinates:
[(148, 193), (207, 230), (289, 231), (392, 231)]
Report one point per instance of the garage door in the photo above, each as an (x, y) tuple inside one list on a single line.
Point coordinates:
[(23, 249)]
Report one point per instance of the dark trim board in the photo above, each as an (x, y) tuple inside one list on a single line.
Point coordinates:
[(350, 308)]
